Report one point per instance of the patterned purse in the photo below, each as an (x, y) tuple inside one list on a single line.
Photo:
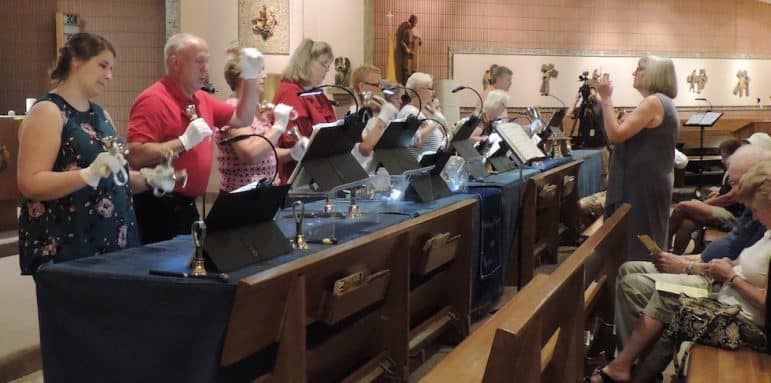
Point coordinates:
[(706, 321)]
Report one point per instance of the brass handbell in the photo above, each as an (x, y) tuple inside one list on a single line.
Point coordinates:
[(119, 150), (298, 211), (197, 268), (191, 112), (353, 209)]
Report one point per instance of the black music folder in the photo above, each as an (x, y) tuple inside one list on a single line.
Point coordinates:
[(328, 162), (240, 229)]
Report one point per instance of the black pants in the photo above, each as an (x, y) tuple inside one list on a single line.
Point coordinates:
[(163, 218)]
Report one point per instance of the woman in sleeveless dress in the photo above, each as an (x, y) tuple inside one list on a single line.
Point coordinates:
[(641, 171), (71, 206)]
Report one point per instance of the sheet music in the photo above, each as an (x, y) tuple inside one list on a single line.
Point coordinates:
[(521, 145), (703, 119)]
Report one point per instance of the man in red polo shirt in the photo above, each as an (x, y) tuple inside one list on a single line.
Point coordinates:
[(159, 123)]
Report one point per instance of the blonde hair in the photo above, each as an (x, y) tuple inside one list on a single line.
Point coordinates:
[(754, 186), (660, 75), (309, 50), (498, 71), (233, 73), (360, 74)]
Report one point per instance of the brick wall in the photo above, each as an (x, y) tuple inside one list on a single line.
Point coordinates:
[(28, 50), (136, 28), (676, 28)]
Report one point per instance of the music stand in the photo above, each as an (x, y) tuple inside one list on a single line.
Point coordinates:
[(328, 161), (522, 147), (391, 153), (702, 120), (240, 228), (465, 148)]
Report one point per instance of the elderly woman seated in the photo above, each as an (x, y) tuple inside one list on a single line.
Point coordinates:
[(742, 282)]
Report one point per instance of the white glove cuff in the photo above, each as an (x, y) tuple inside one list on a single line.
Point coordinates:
[(90, 178), (185, 142)]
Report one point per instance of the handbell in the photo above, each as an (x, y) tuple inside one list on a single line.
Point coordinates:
[(191, 112)]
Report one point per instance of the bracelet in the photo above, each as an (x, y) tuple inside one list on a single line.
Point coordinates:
[(689, 268), (731, 280)]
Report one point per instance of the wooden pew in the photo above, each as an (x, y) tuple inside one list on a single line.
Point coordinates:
[(545, 195), (537, 335), (710, 364), (301, 331)]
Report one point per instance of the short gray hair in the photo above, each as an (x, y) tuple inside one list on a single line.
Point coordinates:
[(418, 79), (747, 156), (175, 44), (494, 99), (660, 75)]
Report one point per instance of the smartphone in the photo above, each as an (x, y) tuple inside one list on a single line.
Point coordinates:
[(649, 243)]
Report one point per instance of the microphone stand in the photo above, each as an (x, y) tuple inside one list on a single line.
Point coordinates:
[(701, 143)]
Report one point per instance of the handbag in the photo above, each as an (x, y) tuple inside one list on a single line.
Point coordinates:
[(705, 321)]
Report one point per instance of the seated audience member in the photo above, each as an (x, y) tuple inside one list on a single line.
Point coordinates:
[(74, 202), (719, 210), (250, 160), (761, 139), (429, 136), (160, 125), (742, 282), (307, 69), (635, 281)]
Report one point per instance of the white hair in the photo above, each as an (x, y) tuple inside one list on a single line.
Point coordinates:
[(175, 44), (760, 139), (418, 79), (495, 99), (747, 156)]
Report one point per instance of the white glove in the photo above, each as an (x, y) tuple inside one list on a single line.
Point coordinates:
[(281, 113), (251, 62), (298, 150), (197, 130), (160, 178), (387, 112), (103, 165)]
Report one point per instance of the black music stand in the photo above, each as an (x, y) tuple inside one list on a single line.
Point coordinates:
[(703, 120), (465, 148), (328, 161), (240, 229), (391, 153)]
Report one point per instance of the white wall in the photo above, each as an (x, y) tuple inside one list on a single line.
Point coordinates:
[(338, 22), (468, 69)]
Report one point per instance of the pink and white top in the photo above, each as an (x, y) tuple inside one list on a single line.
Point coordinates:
[(234, 172)]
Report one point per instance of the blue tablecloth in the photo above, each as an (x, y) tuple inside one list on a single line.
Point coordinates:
[(105, 318)]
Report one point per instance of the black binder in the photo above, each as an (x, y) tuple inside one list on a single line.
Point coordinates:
[(328, 161), (391, 153), (241, 230)]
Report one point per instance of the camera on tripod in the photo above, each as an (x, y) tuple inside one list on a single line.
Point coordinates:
[(586, 88)]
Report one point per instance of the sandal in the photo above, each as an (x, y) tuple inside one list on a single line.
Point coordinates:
[(603, 375)]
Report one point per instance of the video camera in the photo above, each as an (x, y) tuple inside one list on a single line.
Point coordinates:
[(586, 88)]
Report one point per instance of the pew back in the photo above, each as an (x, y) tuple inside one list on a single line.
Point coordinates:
[(537, 335)]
